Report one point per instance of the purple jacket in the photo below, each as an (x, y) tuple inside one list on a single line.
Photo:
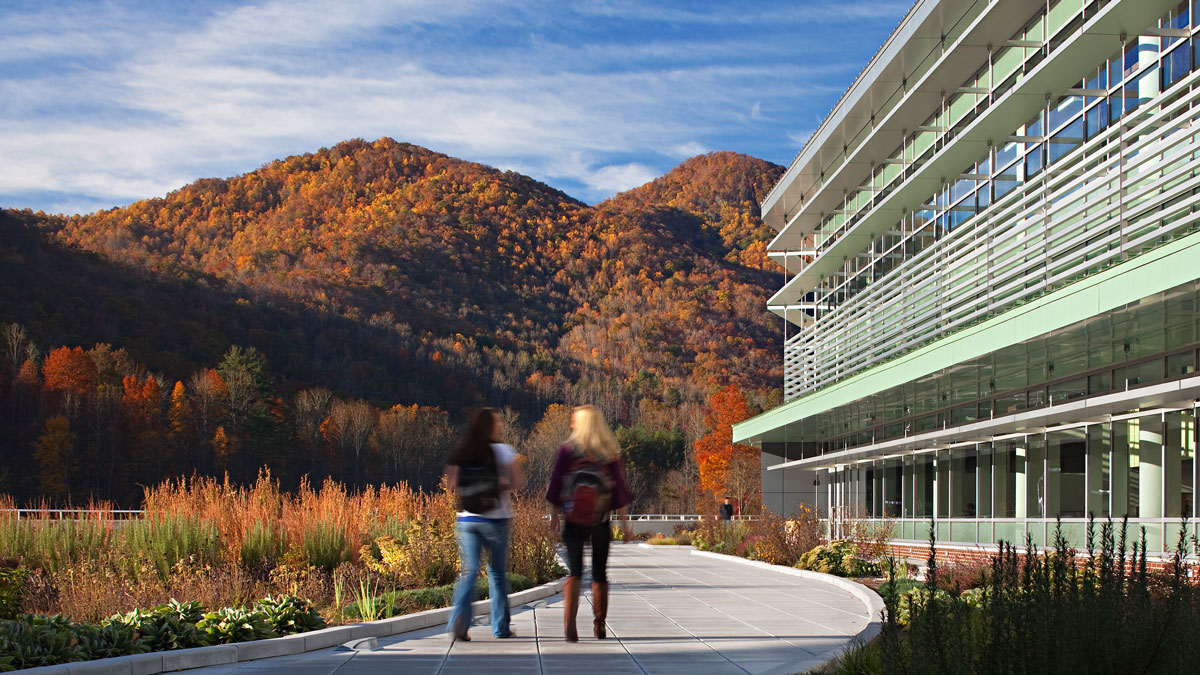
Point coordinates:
[(562, 464)]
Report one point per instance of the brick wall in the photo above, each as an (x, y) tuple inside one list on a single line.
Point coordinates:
[(951, 554)]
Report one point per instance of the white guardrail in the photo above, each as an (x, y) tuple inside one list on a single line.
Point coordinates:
[(73, 514)]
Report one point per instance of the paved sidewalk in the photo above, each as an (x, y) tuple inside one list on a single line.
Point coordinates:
[(669, 612)]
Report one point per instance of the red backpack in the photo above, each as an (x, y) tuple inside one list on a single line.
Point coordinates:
[(587, 491)]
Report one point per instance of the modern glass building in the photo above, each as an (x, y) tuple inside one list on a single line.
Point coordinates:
[(992, 295)]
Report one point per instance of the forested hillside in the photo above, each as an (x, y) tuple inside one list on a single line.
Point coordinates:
[(384, 276)]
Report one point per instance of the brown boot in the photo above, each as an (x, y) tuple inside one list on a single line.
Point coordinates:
[(599, 609), (570, 607)]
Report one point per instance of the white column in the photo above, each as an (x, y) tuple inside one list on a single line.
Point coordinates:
[(1150, 473), (1020, 469)]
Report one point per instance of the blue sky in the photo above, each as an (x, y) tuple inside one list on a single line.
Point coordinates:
[(105, 103)]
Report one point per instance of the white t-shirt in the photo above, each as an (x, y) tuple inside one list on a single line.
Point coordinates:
[(505, 456)]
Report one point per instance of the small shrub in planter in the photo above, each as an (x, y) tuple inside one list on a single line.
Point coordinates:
[(288, 614), (235, 624), (12, 581), (719, 536), (838, 557), (169, 626), (962, 576), (109, 640), (916, 600), (780, 541), (33, 641)]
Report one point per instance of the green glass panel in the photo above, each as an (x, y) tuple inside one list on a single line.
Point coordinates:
[(1037, 530), (1004, 62), (960, 105), (1075, 533), (1154, 536), (1008, 532), (922, 141), (963, 533), (1060, 13)]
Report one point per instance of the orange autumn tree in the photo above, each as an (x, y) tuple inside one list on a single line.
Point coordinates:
[(71, 372), (726, 468)]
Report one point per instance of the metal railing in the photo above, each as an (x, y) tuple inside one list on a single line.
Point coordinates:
[(72, 514), (686, 517), (1128, 189)]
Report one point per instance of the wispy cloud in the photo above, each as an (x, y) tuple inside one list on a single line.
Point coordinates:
[(102, 105)]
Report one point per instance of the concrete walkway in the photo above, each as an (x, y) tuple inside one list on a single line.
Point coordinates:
[(669, 612)]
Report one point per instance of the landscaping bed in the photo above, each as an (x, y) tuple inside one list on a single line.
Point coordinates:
[(218, 564)]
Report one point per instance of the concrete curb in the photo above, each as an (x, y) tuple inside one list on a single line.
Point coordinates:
[(871, 599), (669, 547), (183, 659)]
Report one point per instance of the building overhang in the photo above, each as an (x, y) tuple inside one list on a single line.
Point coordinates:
[(1167, 396), (919, 31), (1098, 39)]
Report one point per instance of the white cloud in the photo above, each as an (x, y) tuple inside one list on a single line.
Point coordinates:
[(688, 150), (799, 138), (162, 102)]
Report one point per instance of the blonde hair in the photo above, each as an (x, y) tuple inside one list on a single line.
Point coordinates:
[(591, 436)]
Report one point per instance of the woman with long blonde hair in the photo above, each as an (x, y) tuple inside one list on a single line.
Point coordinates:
[(586, 486)]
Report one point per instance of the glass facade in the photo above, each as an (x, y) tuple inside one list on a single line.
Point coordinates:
[(1140, 465), (1153, 341)]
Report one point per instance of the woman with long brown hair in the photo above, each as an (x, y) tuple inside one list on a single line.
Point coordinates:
[(483, 472), (586, 486)]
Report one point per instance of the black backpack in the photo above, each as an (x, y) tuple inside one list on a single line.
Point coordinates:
[(479, 485)]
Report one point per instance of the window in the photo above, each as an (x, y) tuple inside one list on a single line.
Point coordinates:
[(1135, 51), (1097, 119), (1175, 65), (1142, 89), (1067, 107), (1065, 141), (1007, 154), (1116, 106), (1033, 162), (961, 188), (1034, 126), (1003, 187)]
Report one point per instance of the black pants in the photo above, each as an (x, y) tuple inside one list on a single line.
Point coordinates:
[(575, 536)]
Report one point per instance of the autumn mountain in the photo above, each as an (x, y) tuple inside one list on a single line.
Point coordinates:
[(490, 271), (392, 273)]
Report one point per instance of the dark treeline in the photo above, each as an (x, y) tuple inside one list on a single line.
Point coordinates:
[(92, 424)]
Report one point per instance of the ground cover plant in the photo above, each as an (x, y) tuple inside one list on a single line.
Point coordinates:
[(1101, 610), (39, 640), (270, 562)]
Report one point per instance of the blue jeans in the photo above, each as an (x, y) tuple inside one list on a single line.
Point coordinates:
[(472, 538)]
